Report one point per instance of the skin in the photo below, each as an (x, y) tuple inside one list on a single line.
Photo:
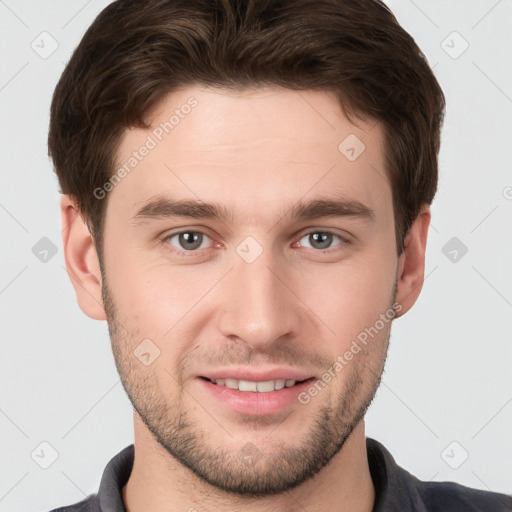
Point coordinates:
[(298, 305)]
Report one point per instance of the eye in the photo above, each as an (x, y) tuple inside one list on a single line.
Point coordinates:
[(188, 241), (321, 240)]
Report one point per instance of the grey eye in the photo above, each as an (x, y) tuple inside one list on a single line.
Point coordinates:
[(320, 239), (188, 240)]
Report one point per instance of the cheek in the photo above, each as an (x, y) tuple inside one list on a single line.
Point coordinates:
[(155, 299), (351, 296)]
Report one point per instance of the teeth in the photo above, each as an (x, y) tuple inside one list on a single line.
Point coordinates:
[(245, 385), (279, 384), (261, 387), (231, 383)]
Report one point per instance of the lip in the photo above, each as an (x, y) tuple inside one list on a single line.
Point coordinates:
[(254, 403), (252, 375)]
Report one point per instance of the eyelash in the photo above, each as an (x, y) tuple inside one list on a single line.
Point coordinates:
[(181, 252)]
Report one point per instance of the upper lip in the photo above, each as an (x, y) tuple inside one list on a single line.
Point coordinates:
[(253, 375)]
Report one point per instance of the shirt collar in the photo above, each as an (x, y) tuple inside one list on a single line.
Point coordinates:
[(395, 488), (114, 478)]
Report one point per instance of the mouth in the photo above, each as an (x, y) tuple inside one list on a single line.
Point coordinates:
[(262, 397), (266, 386), (255, 391)]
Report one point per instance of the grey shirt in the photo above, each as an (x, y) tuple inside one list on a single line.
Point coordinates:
[(396, 490)]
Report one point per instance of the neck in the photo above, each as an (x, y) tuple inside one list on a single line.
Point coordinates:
[(160, 483)]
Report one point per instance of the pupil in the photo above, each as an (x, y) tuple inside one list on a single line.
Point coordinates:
[(322, 240), (190, 240)]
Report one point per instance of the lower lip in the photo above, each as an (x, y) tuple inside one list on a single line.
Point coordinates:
[(256, 403)]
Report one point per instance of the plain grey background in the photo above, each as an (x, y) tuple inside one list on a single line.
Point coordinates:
[(444, 408)]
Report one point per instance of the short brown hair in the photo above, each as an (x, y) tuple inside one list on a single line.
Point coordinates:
[(137, 51)]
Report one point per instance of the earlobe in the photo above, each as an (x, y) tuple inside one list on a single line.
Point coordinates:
[(411, 265), (82, 261)]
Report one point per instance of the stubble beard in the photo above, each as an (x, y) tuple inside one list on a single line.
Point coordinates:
[(266, 472)]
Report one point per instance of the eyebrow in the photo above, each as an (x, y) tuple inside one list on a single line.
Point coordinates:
[(163, 207), (331, 208)]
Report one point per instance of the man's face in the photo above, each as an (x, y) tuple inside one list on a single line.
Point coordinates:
[(271, 291)]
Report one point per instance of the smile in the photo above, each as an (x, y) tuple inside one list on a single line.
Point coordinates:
[(255, 387)]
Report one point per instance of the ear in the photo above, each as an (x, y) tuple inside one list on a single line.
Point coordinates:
[(82, 261), (411, 264)]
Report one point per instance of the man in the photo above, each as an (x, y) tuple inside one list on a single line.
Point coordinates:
[(246, 190)]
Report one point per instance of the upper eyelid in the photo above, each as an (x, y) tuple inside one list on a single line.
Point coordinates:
[(301, 233), (167, 237), (317, 230), (343, 239), (299, 236)]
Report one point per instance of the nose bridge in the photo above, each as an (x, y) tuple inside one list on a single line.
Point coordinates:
[(257, 307)]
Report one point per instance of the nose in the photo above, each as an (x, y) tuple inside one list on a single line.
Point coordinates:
[(258, 306)]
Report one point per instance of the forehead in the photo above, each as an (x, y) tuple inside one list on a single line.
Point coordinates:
[(252, 150)]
